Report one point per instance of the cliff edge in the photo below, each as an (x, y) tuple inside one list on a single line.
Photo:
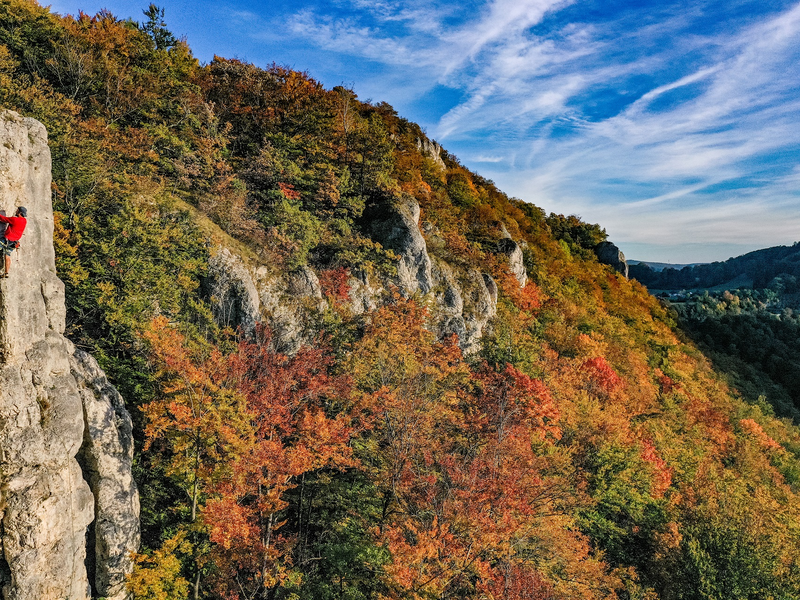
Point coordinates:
[(69, 508)]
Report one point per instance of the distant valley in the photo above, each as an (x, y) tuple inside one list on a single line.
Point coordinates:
[(743, 313), (775, 268)]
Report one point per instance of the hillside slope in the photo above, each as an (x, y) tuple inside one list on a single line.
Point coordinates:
[(359, 370)]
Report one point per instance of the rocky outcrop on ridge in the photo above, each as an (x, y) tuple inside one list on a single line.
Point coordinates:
[(463, 306), (232, 291), (609, 254), (432, 150), (395, 224), (65, 437), (463, 303), (516, 263), (242, 296)]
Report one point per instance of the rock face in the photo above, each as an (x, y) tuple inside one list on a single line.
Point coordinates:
[(463, 303), (106, 459), (516, 261), (230, 286), (609, 254), (242, 296), (462, 306), (55, 405), (432, 150), (394, 224)]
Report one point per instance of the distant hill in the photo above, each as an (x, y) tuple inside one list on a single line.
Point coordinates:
[(660, 266), (777, 267)]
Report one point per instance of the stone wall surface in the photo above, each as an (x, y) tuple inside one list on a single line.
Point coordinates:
[(516, 262), (55, 405), (432, 150)]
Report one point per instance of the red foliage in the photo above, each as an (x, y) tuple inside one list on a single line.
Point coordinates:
[(334, 283), (516, 582), (662, 474), (511, 398), (287, 189), (601, 374), (666, 383)]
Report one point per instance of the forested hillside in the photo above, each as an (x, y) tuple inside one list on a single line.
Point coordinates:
[(776, 267), (583, 450), (755, 345)]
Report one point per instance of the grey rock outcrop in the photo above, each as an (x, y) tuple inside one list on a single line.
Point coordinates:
[(242, 296), (394, 223), (516, 262), (448, 302), (287, 303), (232, 291), (432, 150), (304, 282), (609, 254), (461, 302), (46, 388), (106, 458), (462, 306), (365, 295)]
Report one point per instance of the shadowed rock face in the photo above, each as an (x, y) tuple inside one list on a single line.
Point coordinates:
[(232, 291), (609, 254), (394, 223), (55, 404), (242, 296)]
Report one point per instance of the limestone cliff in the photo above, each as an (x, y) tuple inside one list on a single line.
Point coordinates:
[(432, 150), (461, 302), (609, 254), (242, 295), (65, 436)]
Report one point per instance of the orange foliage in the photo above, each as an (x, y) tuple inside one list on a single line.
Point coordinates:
[(244, 426), (460, 248), (199, 423), (334, 284), (288, 191), (528, 299), (466, 472), (754, 429)]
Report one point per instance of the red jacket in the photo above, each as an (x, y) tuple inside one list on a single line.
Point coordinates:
[(16, 225)]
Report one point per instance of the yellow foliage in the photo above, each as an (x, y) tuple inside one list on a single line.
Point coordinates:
[(157, 575)]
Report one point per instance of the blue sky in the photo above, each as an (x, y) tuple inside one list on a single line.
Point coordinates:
[(675, 125)]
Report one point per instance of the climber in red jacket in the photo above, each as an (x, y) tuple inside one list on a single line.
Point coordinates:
[(10, 241)]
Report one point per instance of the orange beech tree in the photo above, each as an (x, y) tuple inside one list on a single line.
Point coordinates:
[(302, 423)]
